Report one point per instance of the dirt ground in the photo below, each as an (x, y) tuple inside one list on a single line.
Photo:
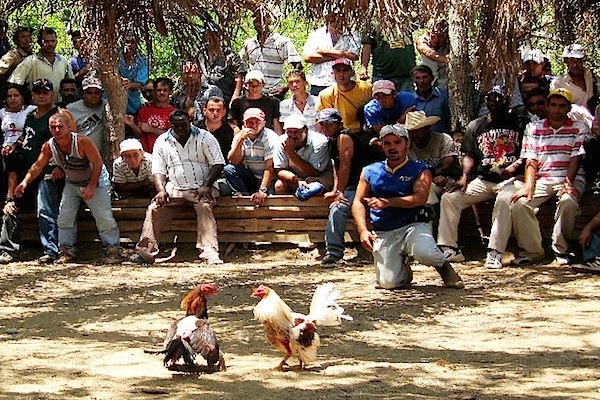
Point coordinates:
[(79, 331)]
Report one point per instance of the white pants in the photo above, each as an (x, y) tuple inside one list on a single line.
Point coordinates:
[(527, 228), (392, 248), (478, 190)]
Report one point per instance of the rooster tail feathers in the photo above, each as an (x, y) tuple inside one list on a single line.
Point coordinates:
[(323, 308), (179, 348)]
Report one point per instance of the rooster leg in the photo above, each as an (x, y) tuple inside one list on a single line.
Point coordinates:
[(282, 363), (301, 365)]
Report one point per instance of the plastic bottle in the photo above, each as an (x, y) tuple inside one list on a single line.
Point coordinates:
[(305, 192)]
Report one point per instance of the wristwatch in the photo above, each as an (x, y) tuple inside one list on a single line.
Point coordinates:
[(263, 189)]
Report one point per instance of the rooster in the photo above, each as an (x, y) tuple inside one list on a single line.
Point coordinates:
[(192, 334), (294, 333)]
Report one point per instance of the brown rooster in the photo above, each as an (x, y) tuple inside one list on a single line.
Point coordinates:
[(293, 333), (192, 334)]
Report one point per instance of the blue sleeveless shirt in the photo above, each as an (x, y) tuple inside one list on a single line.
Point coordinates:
[(386, 184)]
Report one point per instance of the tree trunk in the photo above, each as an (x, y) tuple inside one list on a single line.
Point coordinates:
[(461, 88)]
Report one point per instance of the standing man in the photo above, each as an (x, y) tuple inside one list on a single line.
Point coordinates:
[(434, 48), (346, 95), (583, 85), (90, 115), (552, 149), (349, 156), (323, 47), (45, 64), (433, 100), (79, 65), (134, 70), (392, 61), (153, 118), (250, 170), (268, 52), (185, 165), (69, 92), (10, 60), (301, 157), (395, 191), (491, 150), (86, 179)]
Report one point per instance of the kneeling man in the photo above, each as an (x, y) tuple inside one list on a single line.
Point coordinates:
[(395, 191)]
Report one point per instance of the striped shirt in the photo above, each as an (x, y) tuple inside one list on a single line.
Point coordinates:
[(186, 167), (256, 152), (288, 107), (123, 174), (554, 148), (270, 57)]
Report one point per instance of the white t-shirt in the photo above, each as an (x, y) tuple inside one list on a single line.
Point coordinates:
[(12, 124)]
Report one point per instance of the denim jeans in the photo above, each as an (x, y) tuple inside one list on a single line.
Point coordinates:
[(242, 180), (10, 225), (48, 203), (593, 250), (336, 225), (100, 207)]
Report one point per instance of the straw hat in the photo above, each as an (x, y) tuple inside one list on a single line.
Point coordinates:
[(418, 119)]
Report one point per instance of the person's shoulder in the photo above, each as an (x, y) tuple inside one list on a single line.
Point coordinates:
[(327, 92), (372, 106), (364, 85), (317, 138)]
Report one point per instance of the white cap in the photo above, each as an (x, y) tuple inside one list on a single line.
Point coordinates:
[(130, 144), (254, 75), (533, 55), (294, 121), (573, 51)]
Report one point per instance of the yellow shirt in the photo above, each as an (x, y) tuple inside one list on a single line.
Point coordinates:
[(347, 103)]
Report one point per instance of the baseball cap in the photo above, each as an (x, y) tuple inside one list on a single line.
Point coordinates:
[(42, 84), (562, 92), (254, 113), (329, 115), (91, 82), (254, 75), (130, 144), (383, 86), (573, 51), (396, 129), (533, 55), (497, 89), (294, 121), (343, 61)]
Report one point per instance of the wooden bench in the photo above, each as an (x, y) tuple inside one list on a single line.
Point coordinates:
[(282, 219)]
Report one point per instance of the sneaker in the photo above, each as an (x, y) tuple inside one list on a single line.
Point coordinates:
[(449, 276), (563, 258), (522, 261), (493, 260), (47, 259), (136, 259), (64, 258), (452, 254), (6, 257), (330, 260), (592, 265), (210, 256), (113, 256)]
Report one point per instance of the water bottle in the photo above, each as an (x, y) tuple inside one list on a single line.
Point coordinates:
[(305, 192)]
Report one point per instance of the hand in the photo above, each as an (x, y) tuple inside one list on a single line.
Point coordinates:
[(161, 198), (460, 184), (568, 188), (377, 203), (522, 192), (128, 120), (363, 74), (585, 237), (367, 239), (88, 192), (57, 174), (8, 150), (146, 127), (440, 180), (288, 146), (20, 189), (204, 194), (10, 208), (126, 83), (336, 196), (258, 198), (246, 132)]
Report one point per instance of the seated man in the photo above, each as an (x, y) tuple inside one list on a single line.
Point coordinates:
[(431, 99), (301, 157), (433, 148), (589, 239), (346, 95), (185, 164), (388, 106), (491, 156), (250, 168), (349, 156), (395, 191), (132, 171), (86, 179), (552, 149)]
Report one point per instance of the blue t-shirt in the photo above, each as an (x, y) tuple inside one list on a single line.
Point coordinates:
[(377, 115), (435, 105), (138, 71), (384, 183)]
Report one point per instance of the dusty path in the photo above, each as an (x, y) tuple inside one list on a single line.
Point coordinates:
[(79, 331)]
